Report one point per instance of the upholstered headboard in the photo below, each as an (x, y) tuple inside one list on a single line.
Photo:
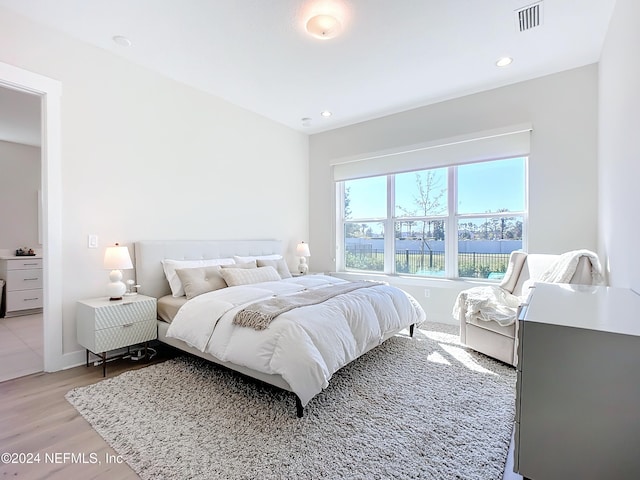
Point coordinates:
[(149, 255)]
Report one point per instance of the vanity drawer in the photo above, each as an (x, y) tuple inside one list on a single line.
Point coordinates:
[(24, 264), (24, 300), (24, 279)]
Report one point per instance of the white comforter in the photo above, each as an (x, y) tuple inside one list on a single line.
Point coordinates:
[(305, 345)]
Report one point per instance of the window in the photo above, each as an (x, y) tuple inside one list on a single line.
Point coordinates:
[(365, 202), (456, 221)]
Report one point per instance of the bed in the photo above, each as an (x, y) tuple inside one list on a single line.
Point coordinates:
[(297, 331)]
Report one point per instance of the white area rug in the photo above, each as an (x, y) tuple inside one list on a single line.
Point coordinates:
[(412, 408)]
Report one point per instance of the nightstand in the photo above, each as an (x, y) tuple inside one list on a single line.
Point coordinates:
[(104, 325)]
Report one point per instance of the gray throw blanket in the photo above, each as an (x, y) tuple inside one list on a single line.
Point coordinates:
[(260, 314)]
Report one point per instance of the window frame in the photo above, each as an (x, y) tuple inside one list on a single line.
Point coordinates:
[(451, 220)]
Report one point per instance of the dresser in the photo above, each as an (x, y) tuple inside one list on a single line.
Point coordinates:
[(578, 384), (23, 285), (104, 325)]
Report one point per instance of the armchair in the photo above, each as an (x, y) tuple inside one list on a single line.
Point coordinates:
[(487, 315)]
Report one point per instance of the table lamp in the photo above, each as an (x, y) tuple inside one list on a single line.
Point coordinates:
[(302, 250), (116, 258)]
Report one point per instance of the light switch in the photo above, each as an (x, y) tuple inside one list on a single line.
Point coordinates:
[(93, 241)]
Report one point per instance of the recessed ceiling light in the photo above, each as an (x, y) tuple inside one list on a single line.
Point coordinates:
[(122, 41), (504, 61), (326, 113)]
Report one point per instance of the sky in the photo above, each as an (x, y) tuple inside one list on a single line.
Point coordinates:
[(482, 187)]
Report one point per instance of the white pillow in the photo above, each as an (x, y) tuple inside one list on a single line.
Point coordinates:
[(280, 265), (170, 267), (247, 276), (250, 258), (197, 281), (252, 264)]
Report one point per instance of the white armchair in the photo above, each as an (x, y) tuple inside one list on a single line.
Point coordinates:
[(487, 315)]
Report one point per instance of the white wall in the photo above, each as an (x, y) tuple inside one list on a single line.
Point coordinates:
[(619, 150), (144, 157), (19, 185), (563, 206)]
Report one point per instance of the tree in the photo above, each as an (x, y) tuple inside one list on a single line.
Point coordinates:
[(505, 223), (347, 203), (438, 230), (350, 229), (428, 202)]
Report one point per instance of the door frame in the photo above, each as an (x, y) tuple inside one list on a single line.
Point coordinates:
[(50, 92)]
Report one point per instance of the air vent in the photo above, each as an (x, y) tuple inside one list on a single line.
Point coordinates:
[(529, 17)]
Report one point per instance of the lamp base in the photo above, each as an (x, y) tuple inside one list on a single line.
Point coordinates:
[(303, 268), (116, 288)]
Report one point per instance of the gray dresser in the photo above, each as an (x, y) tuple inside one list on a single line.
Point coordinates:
[(578, 389)]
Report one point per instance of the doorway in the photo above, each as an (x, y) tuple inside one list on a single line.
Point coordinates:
[(21, 329), (49, 92)]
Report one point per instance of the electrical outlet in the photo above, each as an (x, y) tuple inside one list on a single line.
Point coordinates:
[(427, 293), (92, 241)]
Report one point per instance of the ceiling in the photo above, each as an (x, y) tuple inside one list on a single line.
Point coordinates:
[(391, 55)]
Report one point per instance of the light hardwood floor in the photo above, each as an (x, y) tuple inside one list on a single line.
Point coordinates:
[(35, 418)]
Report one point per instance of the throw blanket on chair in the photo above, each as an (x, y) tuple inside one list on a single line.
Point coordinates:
[(565, 267), (487, 304), (260, 314)]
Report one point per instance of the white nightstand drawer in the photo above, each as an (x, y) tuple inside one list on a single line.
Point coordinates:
[(24, 279), (124, 312), (124, 335), (24, 300)]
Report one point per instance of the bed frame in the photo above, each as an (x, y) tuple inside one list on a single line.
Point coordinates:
[(150, 276)]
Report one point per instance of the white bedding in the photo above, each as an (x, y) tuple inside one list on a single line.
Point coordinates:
[(305, 345), (489, 304)]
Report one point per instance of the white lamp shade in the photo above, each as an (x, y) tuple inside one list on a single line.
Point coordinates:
[(302, 250), (117, 258)]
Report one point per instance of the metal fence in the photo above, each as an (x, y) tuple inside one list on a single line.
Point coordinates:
[(429, 262), (482, 265), (417, 261)]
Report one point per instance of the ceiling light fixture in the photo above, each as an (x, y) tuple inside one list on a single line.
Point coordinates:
[(326, 113), (122, 40), (504, 61), (323, 26)]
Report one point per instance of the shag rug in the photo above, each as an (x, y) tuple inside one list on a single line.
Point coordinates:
[(422, 407)]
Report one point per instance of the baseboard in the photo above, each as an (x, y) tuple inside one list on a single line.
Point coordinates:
[(73, 359), (76, 359)]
